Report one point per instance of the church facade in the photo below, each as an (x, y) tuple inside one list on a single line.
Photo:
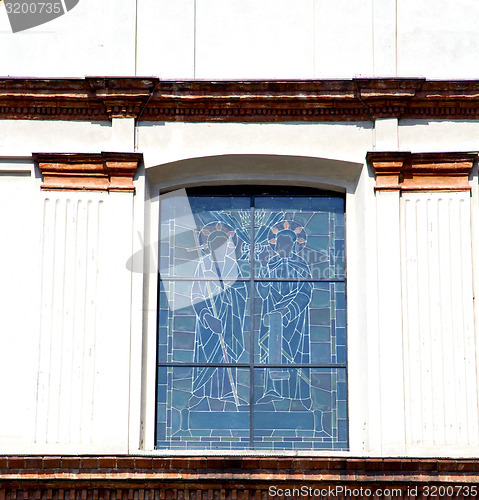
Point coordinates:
[(242, 259)]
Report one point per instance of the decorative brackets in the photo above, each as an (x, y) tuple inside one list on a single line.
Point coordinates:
[(90, 172), (405, 171), (151, 99)]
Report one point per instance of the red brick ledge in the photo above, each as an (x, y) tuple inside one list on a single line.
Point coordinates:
[(112, 172), (98, 99), (121, 470), (422, 172), (228, 478)]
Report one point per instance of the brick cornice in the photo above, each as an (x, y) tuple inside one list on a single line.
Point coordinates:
[(138, 469), (405, 171), (91, 172), (224, 478), (96, 99)]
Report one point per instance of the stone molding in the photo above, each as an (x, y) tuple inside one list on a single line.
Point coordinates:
[(218, 478), (416, 172), (88, 172), (100, 99)]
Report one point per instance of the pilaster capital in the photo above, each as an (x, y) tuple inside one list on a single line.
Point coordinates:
[(406, 171), (88, 172)]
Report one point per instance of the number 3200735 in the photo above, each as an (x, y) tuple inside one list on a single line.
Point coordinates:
[(450, 490), (34, 8)]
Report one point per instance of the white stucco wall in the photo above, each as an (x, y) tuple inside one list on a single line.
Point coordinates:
[(437, 39), (21, 138), (77, 350), (245, 39), (178, 141), (66, 317), (94, 38), (20, 229), (79, 312)]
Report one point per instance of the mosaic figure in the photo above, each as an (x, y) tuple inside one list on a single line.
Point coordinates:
[(284, 332), (220, 310)]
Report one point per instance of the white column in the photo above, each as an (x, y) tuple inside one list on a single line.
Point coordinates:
[(390, 348)]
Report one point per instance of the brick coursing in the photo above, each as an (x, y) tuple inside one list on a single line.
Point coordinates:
[(359, 99), (217, 478)]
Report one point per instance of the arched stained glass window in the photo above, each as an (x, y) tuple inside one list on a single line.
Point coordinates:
[(252, 320)]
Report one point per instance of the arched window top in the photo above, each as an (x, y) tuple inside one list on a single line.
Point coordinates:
[(256, 169)]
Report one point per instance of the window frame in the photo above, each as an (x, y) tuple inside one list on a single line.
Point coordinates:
[(344, 177), (252, 194)]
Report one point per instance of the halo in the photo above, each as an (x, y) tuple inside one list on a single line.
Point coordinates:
[(215, 227), (291, 227)]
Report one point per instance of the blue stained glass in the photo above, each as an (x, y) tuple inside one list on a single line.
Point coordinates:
[(211, 328), (305, 234), (205, 322), (311, 335), (206, 414), (300, 420), (195, 232)]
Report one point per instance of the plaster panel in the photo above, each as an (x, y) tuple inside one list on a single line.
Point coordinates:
[(84, 349), (438, 135), (438, 323), (177, 141), (68, 358), (438, 40), (254, 40), (22, 138), (166, 38), (343, 43), (94, 38), (19, 266)]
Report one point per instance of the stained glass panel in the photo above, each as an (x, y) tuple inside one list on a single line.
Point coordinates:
[(306, 232), (204, 322), (300, 322), (300, 408), (203, 408), (204, 237), (226, 381)]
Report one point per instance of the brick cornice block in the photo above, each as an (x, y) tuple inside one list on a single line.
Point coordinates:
[(112, 172), (416, 172), (149, 99)]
